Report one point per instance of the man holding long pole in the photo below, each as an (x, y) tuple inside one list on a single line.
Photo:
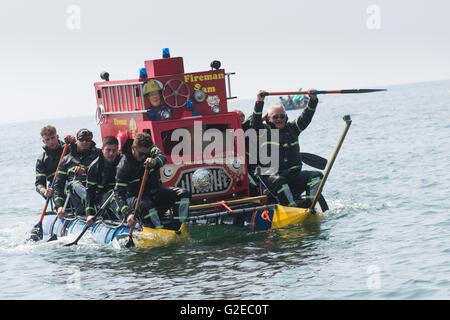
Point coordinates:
[(47, 166), (288, 174)]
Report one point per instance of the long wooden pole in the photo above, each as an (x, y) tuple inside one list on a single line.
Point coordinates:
[(130, 242), (348, 122)]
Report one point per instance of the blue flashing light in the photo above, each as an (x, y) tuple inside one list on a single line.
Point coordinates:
[(189, 105), (166, 53), (142, 73)]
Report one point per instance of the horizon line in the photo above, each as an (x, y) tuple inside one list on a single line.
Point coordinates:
[(245, 98)]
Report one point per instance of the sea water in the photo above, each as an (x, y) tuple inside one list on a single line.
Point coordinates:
[(386, 235)]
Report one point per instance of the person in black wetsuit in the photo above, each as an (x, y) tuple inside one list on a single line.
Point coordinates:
[(72, 172), (47, 163), (282, 144), (129, 173), (101, 178)]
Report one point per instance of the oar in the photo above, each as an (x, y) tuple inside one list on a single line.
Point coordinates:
[(37, 232), (130, 242), (262, 183), (348, 122), (342, 91), (314, 160), (95, 216)]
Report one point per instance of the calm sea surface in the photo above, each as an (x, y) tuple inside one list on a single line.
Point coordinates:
[(387, 235)]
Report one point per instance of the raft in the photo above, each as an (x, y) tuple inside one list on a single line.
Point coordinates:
[(260, 218), (112, 234), (256, 219)]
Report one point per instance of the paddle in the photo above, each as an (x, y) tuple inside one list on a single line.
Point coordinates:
[(54, 237), (261, 182), (37, 232), (130, 242), (313, 160), (348, 122), (95, 217), (343, 91)]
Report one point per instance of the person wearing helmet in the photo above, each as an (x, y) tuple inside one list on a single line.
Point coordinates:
[(157, 110)]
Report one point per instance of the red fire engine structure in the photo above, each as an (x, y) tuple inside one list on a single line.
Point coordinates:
[(197, 100)]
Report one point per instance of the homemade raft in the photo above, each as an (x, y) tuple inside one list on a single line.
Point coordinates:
[(197, 102), (105, 233)]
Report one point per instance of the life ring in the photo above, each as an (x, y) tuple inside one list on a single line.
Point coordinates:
[(100, 114)]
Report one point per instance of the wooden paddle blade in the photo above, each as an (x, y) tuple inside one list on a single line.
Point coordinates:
[(37, 232)]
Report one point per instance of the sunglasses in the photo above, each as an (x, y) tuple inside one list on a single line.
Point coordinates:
[(279, 116), (85, 139), (84, 135)]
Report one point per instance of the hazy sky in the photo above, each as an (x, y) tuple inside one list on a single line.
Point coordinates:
[(53, 51)]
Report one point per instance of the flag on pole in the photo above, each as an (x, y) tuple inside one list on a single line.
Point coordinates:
[(298, 97)]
